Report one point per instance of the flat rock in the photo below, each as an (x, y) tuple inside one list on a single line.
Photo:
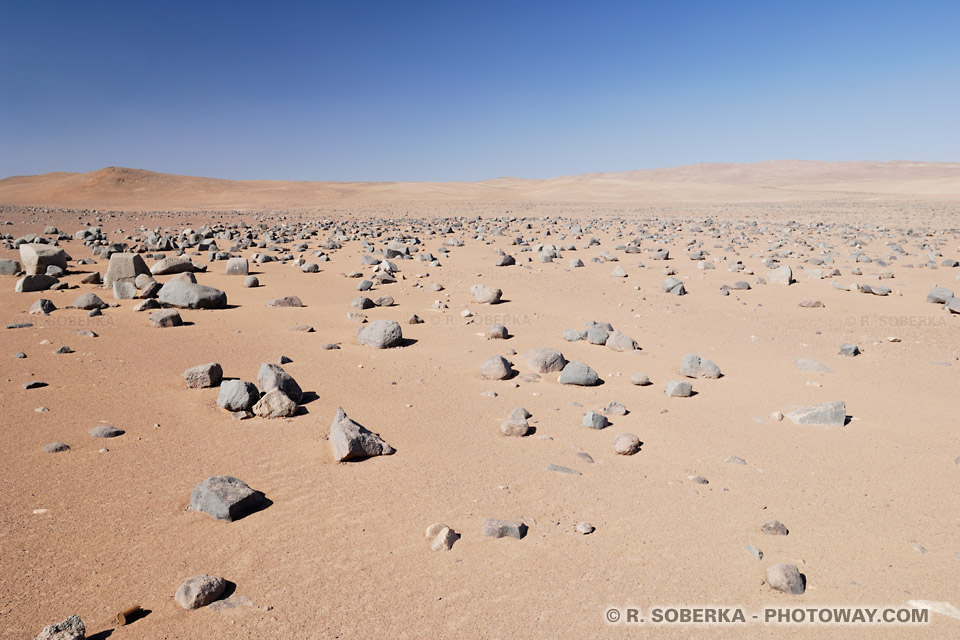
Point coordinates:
[(166, 318), (495, 528), (813, 366), (225, 498), (173, 264), (55, 447), (827, 414), (187, 295), (578, 373), (89, 301), (774, 528), (693, 366), (124, 267), (106, 431)]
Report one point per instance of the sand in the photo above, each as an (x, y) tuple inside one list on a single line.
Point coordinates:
[(341, 551)]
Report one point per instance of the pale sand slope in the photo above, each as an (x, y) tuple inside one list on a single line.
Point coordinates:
[(341, 551), (768, 182)]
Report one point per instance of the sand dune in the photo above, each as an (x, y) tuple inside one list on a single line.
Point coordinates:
[(776, 181)]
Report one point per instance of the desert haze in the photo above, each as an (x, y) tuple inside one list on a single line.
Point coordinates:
[(503, 409)]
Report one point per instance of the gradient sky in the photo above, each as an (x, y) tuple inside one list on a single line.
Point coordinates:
[(471, 90)]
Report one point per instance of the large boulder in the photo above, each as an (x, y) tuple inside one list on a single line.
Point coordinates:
[(350, 441), (9, 267), (381, 334), (225, 498), (37, 257), (186, 295), (125, 267), (272, 376), (175, 264), (39, 282), (237, 267)]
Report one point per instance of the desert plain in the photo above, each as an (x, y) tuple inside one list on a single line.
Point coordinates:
[(803, 283)]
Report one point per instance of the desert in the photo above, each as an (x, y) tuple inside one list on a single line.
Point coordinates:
[(243, 419)]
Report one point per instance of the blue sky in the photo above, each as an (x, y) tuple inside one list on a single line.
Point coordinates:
[(471, 90)]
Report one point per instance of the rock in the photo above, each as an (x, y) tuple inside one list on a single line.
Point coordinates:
[(124, 291), (752, 550), (785, 578), (828, 414), (434, 529), (615, 408), (813, 366), (275, 404), (621, 342), (577, 373), (237, 267), (698, 480), (381, 334), (9, 267), (106, 431), (272, 376), (559, 469), (148, 305), (693, 366), (496, 368), (780, 275), (55, 447), (35, 384), (63, 349), (639, 379), (42, 306), (494, 528), (91, 278), (287, 301), (361, 303), (330, 346), (811, 303), (673, 286), (166, 318), (774, 528), (849, 350), (35, 258), (350, 441), (70, 629), (679, 389), (734, 460), (175, 264), (20, 354), (497, 332), (251, 282), (39, 282), (89, 301), (414, 319), (124, 267), (199, 591), (543, 360), (515, 427), (384, 301), (225, 498), (187, 295), (939, 295), (626, 444), (237, 395), (485, 295), (594, 420), (444, 540), (586, 528), (203, 375)]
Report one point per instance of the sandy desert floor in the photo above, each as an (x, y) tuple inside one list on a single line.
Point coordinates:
[(871, 507)]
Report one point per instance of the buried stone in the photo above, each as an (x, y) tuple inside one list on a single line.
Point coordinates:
[(827, 414)]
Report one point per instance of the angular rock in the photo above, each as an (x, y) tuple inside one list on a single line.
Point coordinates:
[(237, 395), (673, 286), (89, 301), (827, 414), (70, 629), (203, 375), (166, 318), (225, 498), (350, 441), (679, 389), (42, 306), (543, 360), (174, 264), (275, 404), (785, 578), (39, 282), (485, 295), (124, 267), (35, 258), (444, 540), (237, 267), (199, 591), (272, 376)]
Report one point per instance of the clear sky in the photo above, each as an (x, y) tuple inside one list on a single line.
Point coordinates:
[(358, 90)]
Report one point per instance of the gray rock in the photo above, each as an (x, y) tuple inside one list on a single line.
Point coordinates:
[(42, 306), (594, 420), (693, 366), (626, 444), (35, 258), (149, 305), (199, 591), (20, 354), (237, 395), (89, 301), (361, 302), (275, 404), (679, 389), (673, 286), (237, 267), (621, 342), (251, 282), (9, 267), (559, 469), (203, 375), (381, 334), (572, 335), (586, 528), (639, 379), (811, 303), (597, 335), (813, 366), (615, 408), (70, 629), (515, 426), (774, 528), (497, 332), (785, 578), (187, 295), (55, 447), (350, 441), (780, 275), (849, 350), (124, 267), (494, 528), (577, 373), (752, 550), (543, 360), (63, 349), (485, 295), (175, 264), (124, 290), (286, 301), (225, 498), (39, 282), (106, 431), (827, 414), (496, 368), (166, 318), (272, 376), (939, 295), (734, 460)]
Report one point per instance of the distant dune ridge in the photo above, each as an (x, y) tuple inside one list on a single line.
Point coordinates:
[(773, 181)]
